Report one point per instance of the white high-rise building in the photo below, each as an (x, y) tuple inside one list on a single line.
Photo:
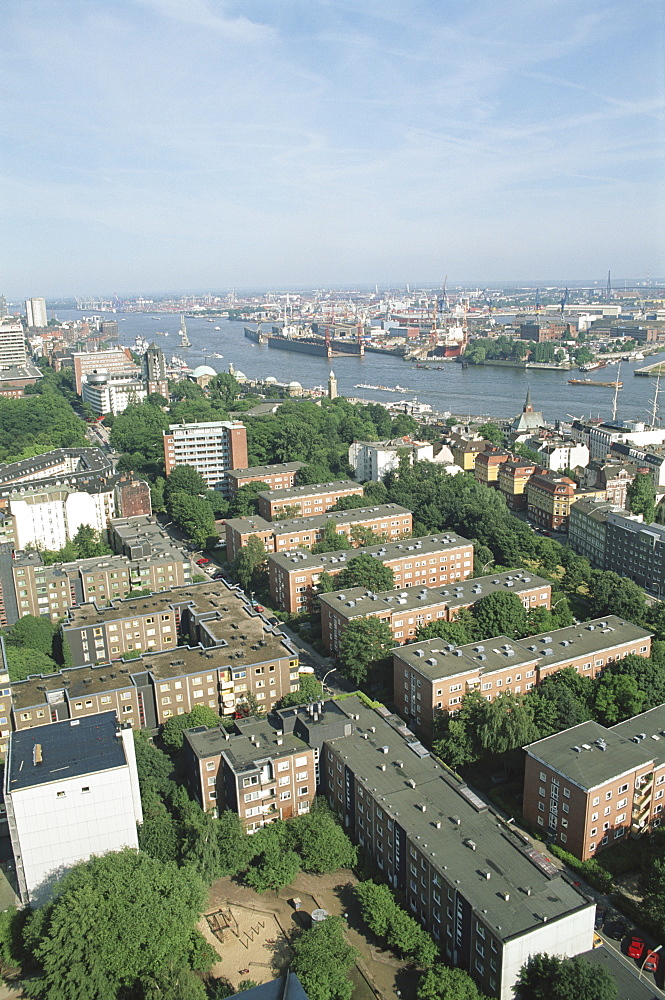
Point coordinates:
[(12, 344), (71, 791), (35, 312)]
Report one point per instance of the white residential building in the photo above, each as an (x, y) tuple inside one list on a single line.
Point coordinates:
[(373, 459), (35, 312), (46, 519), (71, 791), (12, 344), (211, 448), (560, 455)]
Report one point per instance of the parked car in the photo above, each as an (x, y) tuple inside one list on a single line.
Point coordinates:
[(617, 930), (202, 562), (636, 947), (218, 576), (651, 962), (600, 917)]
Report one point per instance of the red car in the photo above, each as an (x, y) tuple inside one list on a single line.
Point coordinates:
[(635, 948), (202, 562), (651, 962)]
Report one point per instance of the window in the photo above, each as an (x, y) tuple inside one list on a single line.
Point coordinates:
[(210, 765), (284, 796), (283, 765)]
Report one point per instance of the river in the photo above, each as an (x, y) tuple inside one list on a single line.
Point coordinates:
[(475, 391)]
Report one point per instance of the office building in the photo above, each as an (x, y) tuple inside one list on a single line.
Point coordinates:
[(12, 345), (388, 520), (210, 448), (305, 501), (112, 392), (429, 561), (153, 369), (71, 792), (277, 477), (590, 787), (35, 313), (256, 770), (115, 361), (433, 675)]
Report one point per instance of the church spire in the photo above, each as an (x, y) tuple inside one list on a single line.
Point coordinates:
[(528, 408)]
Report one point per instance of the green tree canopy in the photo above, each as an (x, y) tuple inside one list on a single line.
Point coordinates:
[(322, 961), (499, 613), (365, 571), (641, 496), (32, 632), (174, 727), (365, 642), (117, 923), (194, 515), (185, 479), (491, 432), (275, 864), (23, 663), (330, 541), (251, 556), (309, 690), (321, 842), (547, 977), (444, 983)]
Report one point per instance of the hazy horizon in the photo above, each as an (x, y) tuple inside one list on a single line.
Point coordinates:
[(329, 144)]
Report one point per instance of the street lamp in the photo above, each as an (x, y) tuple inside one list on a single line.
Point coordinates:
[(486, 565), (323, 682), (650, 951)]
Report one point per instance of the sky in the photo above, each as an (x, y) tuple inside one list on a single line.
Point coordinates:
[(154, 145)]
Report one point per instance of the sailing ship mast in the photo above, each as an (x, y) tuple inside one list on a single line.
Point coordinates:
[(184, 339), (654, 403), (616, 394)]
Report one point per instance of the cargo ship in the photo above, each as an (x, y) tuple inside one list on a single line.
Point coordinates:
[(291, 338), (588, 381)]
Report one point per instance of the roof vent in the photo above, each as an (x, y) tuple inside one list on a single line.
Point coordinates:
[(37, 754), (505, 895), (410, 782), (471, 844)]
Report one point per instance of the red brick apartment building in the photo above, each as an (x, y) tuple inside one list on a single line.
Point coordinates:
[(211, 448), (407, 610), (430, 561), (432, 675), (278, 477), (279, 536), (305, 501), (590, 787), (256, 770)]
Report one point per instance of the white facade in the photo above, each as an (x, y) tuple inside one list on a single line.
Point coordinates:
[(372, 460), (560, 455), (48, 519), (108, 393), (602, 437), (12, 344), (35, 312), (73, 812), (568, 936)]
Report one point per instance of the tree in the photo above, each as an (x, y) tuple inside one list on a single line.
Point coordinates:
[(245, 502), (24, 663), (330, 541), (249, 558), (365, 641), (366, 571), (444, 983), (309, 690), (236, 848), (185, 479), (158, 835), (32, 632), (499, 613), (648, 673), (611, 594), (388, 920), (194, 515), (458, 632), (275, 864), (548, 977), (349, 503), (321, 842), (618, 697), (225, 387), (89, 543), (362, 537), (118, 922), (491, 432), (327, 583), (322, 961), (641, 496), (174, 727)]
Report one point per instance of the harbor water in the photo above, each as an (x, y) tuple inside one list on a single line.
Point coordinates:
[(474, 390)]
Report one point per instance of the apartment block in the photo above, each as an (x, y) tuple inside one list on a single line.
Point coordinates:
[(256, 770), (60, 467), (512, 481), (373, 459), (112, 392), (233, 652), (35, 313), (71, 792), (590, 787), (405, 612), (587, 529), (47, 518), (210, 448), (428, 561), (488, 898), (278, 477), (466, 451), (12, 344), (305, 501), (5, 700), (636, 550), (549, 498), (433, 675), (488, 463), (389, 519)]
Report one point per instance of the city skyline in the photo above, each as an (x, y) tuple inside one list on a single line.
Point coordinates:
[(163, 143)]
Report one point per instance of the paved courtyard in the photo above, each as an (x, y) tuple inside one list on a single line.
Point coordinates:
[(257, 930)]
